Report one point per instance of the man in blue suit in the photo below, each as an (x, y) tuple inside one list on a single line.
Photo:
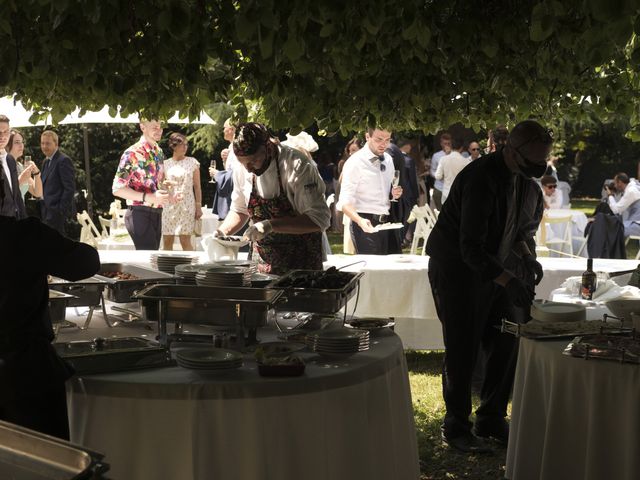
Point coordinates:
[(12, 204), (58, 183)]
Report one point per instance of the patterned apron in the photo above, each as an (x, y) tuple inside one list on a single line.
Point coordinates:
[(278, 253)]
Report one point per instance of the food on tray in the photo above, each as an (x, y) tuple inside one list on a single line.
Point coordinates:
[(565, 328), (330, 278), (608, 347), (120, 275), (229, 238)]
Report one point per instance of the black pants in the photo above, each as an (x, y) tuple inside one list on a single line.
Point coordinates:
[(468, 308), (144, 224), (53, 218), (370, 243)]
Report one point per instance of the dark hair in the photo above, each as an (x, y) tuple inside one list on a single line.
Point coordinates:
[(622, 177), (500, 135), (11, 136), (457, 143), (402, 142), (445, 136), (176, 139), (354, 140), (4, 119), (548, 180)]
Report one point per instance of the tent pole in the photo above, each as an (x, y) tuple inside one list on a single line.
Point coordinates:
[(87, 169)]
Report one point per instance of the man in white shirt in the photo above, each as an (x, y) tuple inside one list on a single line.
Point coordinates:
[(282, 193), (365, 192), (628, 205), (450, 166), (445, 145), (551, 196)]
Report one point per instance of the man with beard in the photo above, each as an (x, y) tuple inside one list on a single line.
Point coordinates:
[(489, 218), (282, 193)]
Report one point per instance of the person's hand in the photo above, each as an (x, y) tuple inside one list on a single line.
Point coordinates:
[(396, 192), (519, 294), (258, 231), (219, 234), (212, 171), (533, 265), (365, 225), (224, 154), (198, 212), (160, 197)]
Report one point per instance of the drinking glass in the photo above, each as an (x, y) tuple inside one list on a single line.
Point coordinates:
[(212, 165), (396, 181)]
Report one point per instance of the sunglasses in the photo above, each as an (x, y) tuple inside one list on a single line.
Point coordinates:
[(551, 186), (475, 149)]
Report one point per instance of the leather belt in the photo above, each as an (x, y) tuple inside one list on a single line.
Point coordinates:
[(375, 218), (145, 207)]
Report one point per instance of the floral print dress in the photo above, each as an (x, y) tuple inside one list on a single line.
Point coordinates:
[(180, 218)]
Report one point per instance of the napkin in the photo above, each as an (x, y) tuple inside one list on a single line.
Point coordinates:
[(605, 291)]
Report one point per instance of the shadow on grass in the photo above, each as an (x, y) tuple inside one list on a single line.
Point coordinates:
[(438, 461)]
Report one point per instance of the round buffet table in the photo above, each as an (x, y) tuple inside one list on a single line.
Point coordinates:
[(345, 419), (573, 418)]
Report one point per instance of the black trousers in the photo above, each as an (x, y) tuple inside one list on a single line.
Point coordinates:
[(53, 218), (370, 243), (144, 224), (468, 308)]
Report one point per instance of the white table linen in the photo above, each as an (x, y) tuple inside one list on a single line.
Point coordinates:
[(573, 418), (343, 419)]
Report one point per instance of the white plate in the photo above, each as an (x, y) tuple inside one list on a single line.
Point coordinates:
[(236, 242), (545, 311)]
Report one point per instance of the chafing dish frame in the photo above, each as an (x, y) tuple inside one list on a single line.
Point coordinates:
[(316, 300), (88, 292), (122, 291), (176, 303)]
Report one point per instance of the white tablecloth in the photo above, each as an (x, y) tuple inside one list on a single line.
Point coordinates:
[(348, 419), (572, 418)]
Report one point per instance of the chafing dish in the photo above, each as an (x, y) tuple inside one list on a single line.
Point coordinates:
[(102, 355), (239, 307), (121, 291), (88, 292), (316, 300), (29, 455), (58, 302)]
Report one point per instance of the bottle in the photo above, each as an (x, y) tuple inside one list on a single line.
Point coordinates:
[(588, 286)]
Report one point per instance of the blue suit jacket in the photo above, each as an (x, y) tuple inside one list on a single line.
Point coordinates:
[(222, 197), (13, 203), (59, 184)]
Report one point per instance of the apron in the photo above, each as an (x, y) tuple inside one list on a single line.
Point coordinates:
[(278, 253)]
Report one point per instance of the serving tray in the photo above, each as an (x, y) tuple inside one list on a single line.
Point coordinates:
[(620, 348), (557, 330)]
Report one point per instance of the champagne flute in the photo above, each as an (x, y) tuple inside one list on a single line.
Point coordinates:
[(395, 182), (212, 165)]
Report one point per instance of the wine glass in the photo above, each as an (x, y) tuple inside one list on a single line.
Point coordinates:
[(212, 165), (395, 182)]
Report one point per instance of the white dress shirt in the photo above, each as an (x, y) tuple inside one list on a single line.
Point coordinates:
[(5, 167), (435, 161), (554, 200), (301, 182), (448, 169), (364, 185), (631, 194)]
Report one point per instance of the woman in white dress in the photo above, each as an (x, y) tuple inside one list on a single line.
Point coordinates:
[(182, 174)]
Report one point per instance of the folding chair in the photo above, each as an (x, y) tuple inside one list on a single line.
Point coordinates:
[(89, 234), (425, 220), (105, 224), (547, 236)]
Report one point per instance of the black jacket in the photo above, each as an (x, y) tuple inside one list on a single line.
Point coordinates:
[(471, 225)]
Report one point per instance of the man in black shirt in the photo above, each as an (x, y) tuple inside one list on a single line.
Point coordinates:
[(32, 376), (485, 231)]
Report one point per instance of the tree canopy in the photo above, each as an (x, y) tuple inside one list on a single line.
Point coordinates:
[(405, 64)]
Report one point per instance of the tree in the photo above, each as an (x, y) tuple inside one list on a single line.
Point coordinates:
[(408, 64)]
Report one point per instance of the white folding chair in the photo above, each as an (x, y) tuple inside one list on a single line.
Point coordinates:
[(549, 236), (89, 234), (425, 220), (105, 225)]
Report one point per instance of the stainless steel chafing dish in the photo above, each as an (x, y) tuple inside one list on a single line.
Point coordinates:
[(102, 355), (88, 292), (29, 455), (121, 291), (316, 300), (240, 307), (58, 302)]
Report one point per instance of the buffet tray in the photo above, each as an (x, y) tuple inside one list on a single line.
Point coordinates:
[(619, 348), (122, 291), (207, 305), (58, 303), (316, 300), (559, 330), (103, 355), (29, 455), (86, 292)]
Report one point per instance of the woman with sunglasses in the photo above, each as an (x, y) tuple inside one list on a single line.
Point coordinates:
[(551, 195)]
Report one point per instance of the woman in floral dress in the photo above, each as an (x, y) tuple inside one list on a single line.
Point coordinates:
[(182, 174)]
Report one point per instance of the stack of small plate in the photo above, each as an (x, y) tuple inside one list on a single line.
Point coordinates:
[(186, 273), (237, 263), (214, 360), (223, 277), (338, 342), (167, 263)]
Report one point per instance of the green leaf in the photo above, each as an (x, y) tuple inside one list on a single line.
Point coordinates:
[(293, 48)]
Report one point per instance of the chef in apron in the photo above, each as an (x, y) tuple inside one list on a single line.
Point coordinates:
[(281, 192)]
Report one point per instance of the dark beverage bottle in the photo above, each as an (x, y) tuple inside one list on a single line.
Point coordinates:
[(588, 286)]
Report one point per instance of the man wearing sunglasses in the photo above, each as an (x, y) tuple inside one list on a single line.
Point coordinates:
[(474, 150), (551, 195), (483, 268)]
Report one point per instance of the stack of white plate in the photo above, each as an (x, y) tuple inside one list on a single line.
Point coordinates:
[(167, 263), (338, 342), (237, 263), (186, 272), (545, 311), (214, 360), (224, 277)]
